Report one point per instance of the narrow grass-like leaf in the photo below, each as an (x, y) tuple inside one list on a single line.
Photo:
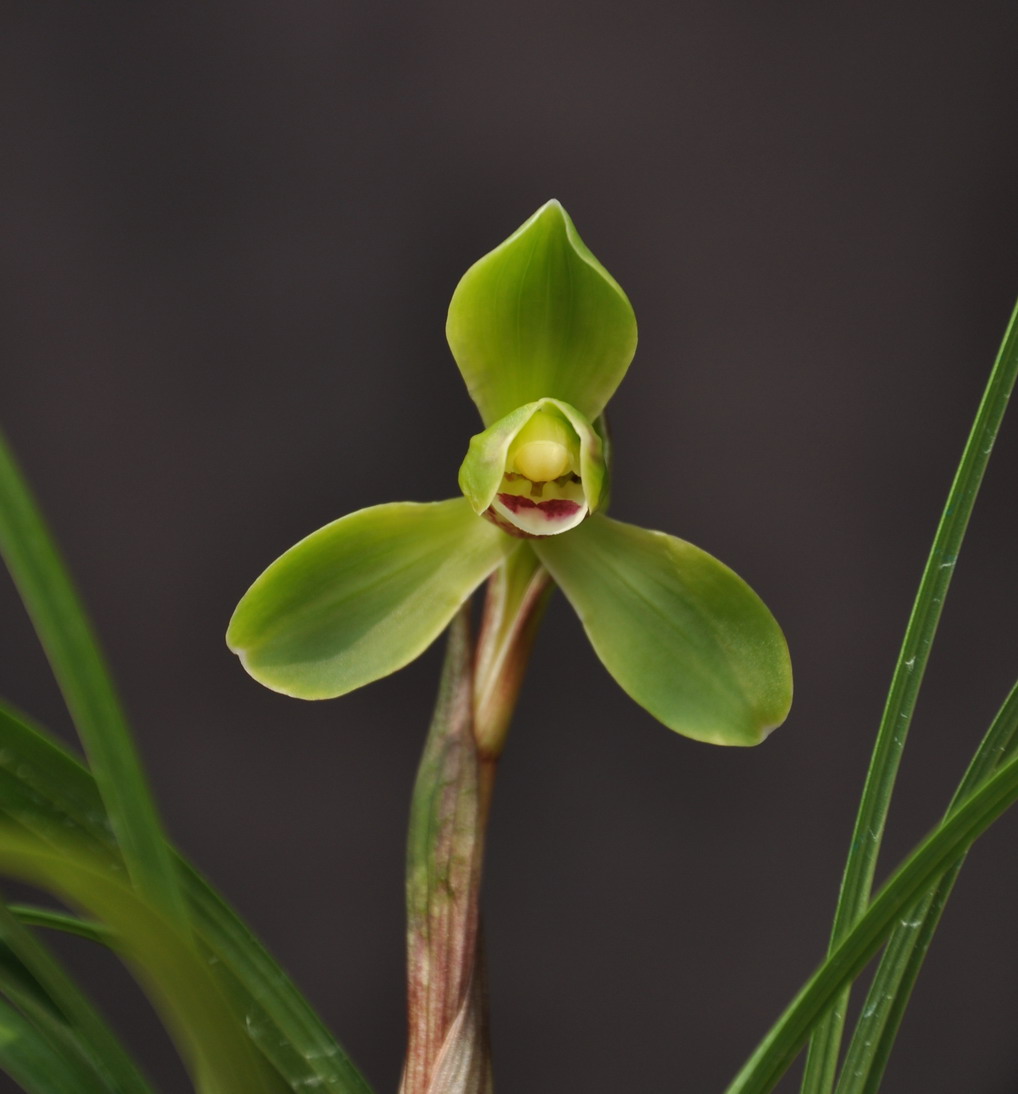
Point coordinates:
[(275, 1015), (920, 871), (857, 882), (38, 1064), (78, 666), (219, 1055), (36, 983), (906, 949), (33, 915), (278, 1018)]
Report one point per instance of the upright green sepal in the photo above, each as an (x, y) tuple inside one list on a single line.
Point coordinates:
[(538, 471), (540, 316), (686, 637), (363, 596)]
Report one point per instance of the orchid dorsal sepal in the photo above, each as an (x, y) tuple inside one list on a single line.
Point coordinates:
[(538, 471), (540, 316)]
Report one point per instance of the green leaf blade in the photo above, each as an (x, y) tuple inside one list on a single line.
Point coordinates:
[(680, 632), (185, 991), (41, 1064), (278, 1018), (860, 864), (894, 980), (74, 655), (944, 846), (61, 795), (47, 997), (363, 596), (540, 316), (35, 915)]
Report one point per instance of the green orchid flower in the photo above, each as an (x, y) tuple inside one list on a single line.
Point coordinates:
[(543, 335)]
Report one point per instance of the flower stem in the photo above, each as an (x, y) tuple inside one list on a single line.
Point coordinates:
[(517, 595), (448, 1050)]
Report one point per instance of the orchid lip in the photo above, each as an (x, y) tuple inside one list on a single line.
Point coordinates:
[(541, 507), (538, 518)]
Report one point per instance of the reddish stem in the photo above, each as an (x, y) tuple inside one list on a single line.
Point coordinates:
[(448, 1050)]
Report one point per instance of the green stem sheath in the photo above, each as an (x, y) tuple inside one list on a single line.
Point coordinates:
[(517, 595)]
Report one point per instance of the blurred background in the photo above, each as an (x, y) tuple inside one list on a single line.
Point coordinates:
[(230, 234)]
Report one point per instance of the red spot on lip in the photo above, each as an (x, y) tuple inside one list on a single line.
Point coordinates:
[(553, 508)]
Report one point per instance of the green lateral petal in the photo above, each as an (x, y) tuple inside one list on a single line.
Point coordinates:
[(540, 316), (687, 638), (362, 596)]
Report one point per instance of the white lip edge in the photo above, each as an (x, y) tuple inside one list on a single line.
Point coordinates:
[(544, 528)]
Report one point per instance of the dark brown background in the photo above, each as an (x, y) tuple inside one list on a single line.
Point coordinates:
[(230, 233)]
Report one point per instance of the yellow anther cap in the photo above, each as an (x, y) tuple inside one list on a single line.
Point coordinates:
[(542, 461)]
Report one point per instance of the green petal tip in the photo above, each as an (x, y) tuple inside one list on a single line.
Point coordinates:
[(539, 317)]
